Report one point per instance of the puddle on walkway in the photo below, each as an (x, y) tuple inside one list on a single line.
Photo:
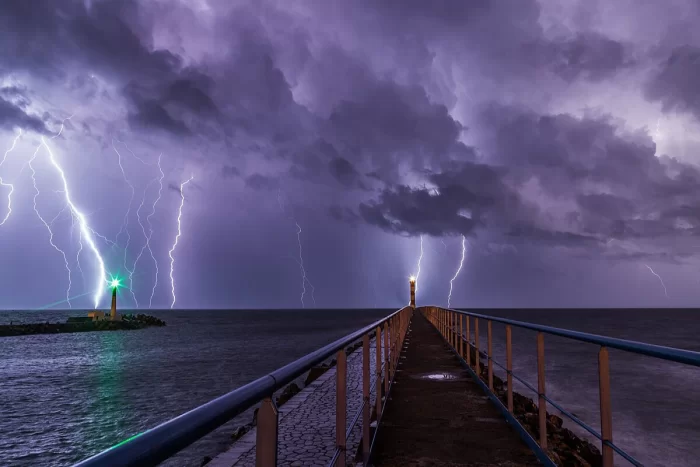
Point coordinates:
[(440, 376)]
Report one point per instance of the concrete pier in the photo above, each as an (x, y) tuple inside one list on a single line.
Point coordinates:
[(438, 416)]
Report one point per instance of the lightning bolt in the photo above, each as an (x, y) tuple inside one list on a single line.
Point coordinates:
[(148, 236), (125, 225), (304, 278), (301, 267), (148, 220), (85, 230), (420, 258), (177, 237), (3, 183), (660, 280), (49, 225), (461, 263)]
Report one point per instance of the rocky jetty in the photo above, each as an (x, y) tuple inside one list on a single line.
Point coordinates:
[(128, 322)]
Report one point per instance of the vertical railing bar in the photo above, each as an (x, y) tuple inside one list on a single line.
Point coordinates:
[(606, 429), (461, 332), (378, 340), (469, 345), (449, 327), (341, 405), (267, 432), (509, 367), (542, 403), (386, 357), (490, 354), (365, 397), (476, 345)]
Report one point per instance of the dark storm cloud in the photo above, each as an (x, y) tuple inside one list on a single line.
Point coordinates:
[(454, 209), (229, 171), (343, 214), (151, 114), (43, 35), (563, 150), (342, 170), (13, 116), (106, 37), (602, 183), (390, 118), (590, 55), (261, 182), (675, 83), (506, 36)]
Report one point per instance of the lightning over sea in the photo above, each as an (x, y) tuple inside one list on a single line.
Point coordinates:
[(459, 269), (47, 163), (300, 260), (177, 238)]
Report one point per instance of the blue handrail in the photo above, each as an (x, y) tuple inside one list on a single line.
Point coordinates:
[(687, 357), (659, 351), (157, 444)]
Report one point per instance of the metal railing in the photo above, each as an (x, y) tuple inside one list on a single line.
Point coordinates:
[(158, 444), (451, 324)]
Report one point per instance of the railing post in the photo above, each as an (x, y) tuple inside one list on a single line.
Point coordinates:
[(442, 324), (605, 407), (448, 317), (461, 331), (341, 406), (378, 343), (490, 355), (394, 345), (386, 358), (450, 320), (454, 330), (469, 345), (365, 398), (476, 345), (509, 368), (266, 436), (542, 404)]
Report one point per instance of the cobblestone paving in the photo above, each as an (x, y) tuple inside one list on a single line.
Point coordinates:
[(307, 422)]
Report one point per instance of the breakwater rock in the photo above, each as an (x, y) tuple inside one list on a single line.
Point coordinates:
[(128, 322)]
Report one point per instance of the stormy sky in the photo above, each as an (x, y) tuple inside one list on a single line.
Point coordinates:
[(560, 138)]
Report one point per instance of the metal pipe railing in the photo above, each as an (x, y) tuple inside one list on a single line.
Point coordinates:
[(158, 444), (443, 320)]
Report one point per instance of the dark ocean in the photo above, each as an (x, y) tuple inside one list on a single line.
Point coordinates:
[(65, 397)]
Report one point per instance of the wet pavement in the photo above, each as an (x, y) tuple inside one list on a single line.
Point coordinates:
[(437, 415)]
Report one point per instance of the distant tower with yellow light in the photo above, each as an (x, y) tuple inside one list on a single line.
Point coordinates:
[(412, 283)]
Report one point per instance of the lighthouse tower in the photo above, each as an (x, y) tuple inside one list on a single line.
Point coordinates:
[(412, 284), (113, 315)]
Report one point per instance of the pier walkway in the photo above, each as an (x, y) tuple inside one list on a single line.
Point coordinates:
[(437, 415)]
